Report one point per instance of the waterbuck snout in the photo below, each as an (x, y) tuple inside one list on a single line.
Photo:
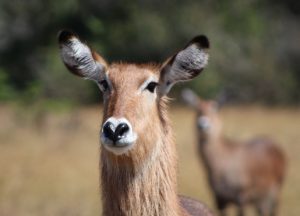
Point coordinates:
[(117, 135)]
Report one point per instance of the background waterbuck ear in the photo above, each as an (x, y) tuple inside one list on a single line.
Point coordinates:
[(79, 58), (185, 65), (190, 98)]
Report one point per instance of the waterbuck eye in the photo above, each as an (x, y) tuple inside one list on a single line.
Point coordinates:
[(151, 86), (103, 85)]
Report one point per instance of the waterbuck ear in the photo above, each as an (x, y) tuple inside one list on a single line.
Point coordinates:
[(184, 65), (190, 98), (79, 58)]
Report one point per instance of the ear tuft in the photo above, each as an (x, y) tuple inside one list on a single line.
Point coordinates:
[(201, 40), (65, 35)]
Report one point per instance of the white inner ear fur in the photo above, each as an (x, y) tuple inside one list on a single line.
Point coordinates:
[(193, 56), (78, 55), (190, 59)]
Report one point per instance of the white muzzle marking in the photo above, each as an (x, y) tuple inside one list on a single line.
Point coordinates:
[(122, 145), (204, 123)]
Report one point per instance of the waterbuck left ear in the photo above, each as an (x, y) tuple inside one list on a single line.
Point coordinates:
[(185, 65)]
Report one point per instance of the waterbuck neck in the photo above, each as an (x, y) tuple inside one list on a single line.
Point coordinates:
[(131, 186), (211, 149)]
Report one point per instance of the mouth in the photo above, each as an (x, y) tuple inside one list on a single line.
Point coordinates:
[(119, 147)]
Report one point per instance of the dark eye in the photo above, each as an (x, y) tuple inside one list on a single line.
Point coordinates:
[(151, 86), (104, 85)]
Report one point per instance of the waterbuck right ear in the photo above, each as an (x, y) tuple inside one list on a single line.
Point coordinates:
[(184, 65), (79, 58)]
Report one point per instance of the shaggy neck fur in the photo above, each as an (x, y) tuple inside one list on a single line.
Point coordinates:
[(133, 185)]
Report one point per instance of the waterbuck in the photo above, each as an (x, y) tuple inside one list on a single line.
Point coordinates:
[(238, 173), (138, 162)]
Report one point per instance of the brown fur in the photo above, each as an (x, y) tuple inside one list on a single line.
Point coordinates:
[(144, 181), (239, 173)]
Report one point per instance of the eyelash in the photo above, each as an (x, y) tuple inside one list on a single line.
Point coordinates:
[(104, 85), (151, 86)]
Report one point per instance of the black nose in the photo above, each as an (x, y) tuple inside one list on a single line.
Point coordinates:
[(117, 134)]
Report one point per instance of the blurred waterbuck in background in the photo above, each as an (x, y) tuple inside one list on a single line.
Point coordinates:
[(238, 173), (138, 154)]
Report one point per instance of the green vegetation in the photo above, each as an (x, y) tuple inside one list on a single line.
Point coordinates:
[(255, 45)]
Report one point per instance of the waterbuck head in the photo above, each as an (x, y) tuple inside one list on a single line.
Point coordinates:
[(134, 95), (208, 121)]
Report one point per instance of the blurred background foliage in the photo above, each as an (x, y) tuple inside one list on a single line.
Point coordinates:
[(255, 45)]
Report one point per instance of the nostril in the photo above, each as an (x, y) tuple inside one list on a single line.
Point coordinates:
[(108, 130), (121, 130)]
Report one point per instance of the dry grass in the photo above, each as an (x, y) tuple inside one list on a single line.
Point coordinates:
[(49, 163)]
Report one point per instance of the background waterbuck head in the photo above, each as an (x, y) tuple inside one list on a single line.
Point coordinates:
[(207, 114)]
